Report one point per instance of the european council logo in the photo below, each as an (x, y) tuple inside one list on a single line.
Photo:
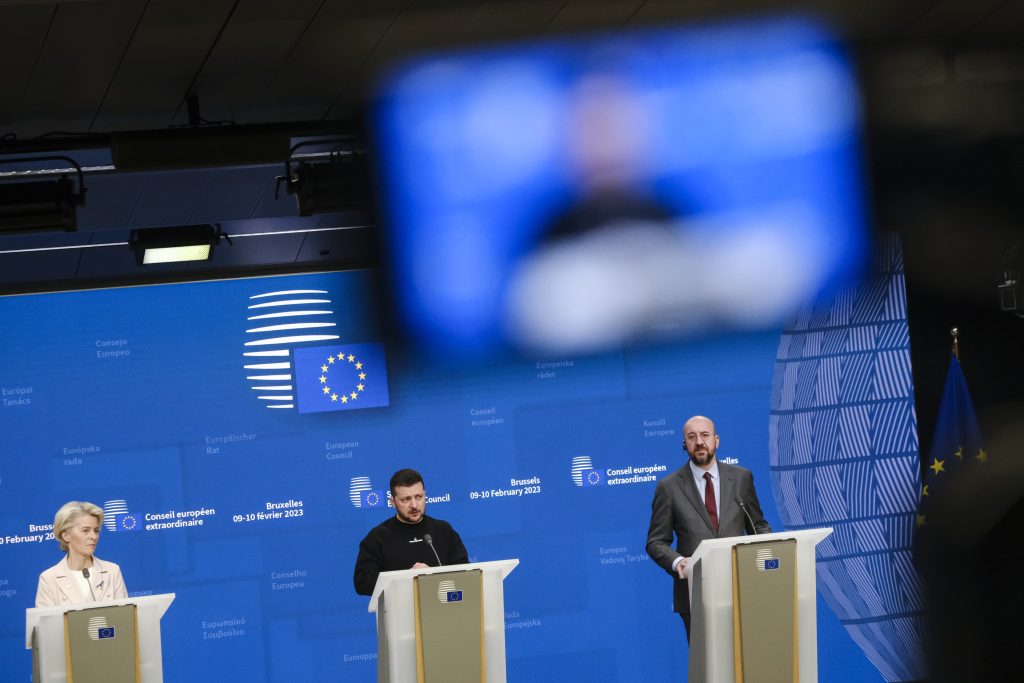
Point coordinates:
[(447, 592), (764, 560), (117, 518), (583, 472), (363, 495), (345, 377), (99, 629), (278, 322)]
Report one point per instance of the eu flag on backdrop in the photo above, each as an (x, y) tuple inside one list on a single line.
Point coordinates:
[(957, 440), (341, 377), (126, 522), (372, 498)]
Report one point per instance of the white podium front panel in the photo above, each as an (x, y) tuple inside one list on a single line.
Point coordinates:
[(48, 625), (711, 650), (400, 620)]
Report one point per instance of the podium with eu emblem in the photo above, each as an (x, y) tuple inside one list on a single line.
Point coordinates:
[(753, 606), (113, 641), (442, 624)]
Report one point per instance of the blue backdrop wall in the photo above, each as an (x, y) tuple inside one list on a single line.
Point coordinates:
[(235, 481)]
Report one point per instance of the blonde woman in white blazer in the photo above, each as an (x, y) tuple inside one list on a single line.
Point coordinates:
[(80, 576)]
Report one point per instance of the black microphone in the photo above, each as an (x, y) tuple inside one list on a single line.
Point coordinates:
[(85, 575), (430, 542), (744, 508)]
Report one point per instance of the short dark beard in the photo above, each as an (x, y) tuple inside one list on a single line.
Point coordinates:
[(405, 520), (694, 457)]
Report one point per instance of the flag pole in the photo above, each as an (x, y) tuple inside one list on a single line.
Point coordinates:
[(956, 342)]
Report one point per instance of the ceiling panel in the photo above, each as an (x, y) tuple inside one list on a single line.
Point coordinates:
[(170, 198), (1004, 25), (80, 56), (43, 240), (584, 15), (109, 200), (253, 48), (513, 20), (419, 27), (233, 193), (165, 54), (269, 206), (935, 23), (351, 248), (39, 267), (255, 251), (673, 11), (319, 71), (22, 33)]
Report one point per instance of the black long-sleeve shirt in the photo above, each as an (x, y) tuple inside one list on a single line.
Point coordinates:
[(394, 545)]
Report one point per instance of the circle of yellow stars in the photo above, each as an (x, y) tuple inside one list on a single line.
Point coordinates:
[(326, 368), (939, 466)]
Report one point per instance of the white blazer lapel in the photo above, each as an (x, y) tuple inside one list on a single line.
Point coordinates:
[(68, 586), (100, 579)]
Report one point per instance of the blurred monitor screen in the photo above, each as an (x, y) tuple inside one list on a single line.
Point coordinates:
[(569, 196)]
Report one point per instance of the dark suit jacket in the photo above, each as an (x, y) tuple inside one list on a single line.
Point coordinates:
[(678, 509)]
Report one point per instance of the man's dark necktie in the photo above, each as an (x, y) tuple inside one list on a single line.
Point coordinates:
[(709, 501)]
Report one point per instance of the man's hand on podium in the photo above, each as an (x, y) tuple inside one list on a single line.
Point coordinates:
[(681, 567), (420, 565)]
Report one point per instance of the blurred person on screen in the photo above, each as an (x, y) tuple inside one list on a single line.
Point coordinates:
[(573, 196), (80, 577), (401, 541), (681, 507), (629, 260)]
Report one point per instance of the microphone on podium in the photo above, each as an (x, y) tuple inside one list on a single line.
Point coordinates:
[(85, 575), (430, 542), (744, 508)]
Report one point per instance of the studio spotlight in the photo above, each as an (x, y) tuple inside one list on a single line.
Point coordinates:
[(40, 205), (1011, 291), (1011, 297), (174, 245), (340, 184)]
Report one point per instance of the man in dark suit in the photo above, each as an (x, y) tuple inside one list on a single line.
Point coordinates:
[(699, 500)]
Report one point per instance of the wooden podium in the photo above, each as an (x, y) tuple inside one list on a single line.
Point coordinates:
[(753, 605), (113, 641), (442, 624)]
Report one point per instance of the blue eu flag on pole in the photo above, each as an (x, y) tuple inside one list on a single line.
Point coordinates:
[(957, 440), (341, 377)]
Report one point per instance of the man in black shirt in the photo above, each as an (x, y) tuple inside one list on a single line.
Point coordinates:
[(399, 543)]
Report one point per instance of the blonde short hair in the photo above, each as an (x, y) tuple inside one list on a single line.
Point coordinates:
[(68, 513)]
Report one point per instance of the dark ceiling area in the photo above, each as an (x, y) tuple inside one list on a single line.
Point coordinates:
[(187, 112), (193, 88)]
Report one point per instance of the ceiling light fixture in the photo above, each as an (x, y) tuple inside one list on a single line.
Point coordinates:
[(342, 183), (174, 245), (41, 205)]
